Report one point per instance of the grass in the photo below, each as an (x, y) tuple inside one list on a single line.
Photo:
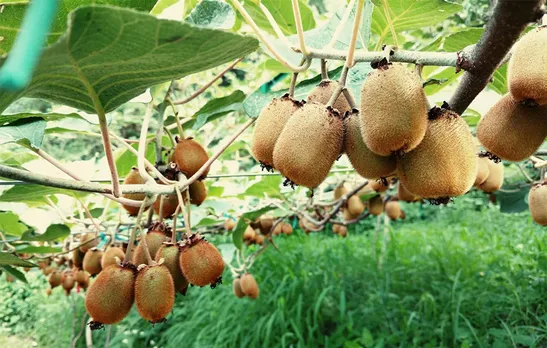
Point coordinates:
[(463, 277)]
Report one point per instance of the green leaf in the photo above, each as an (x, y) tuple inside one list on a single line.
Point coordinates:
[(255, 214), (513, 202), (10, 259), (32, 194), (52, 233), (268, 185), (17, 274), (283, 15), (10, 225), (162, 5), (207, 221), (409, 15), (31, 249), (472, 117), (16, 159), (499, 81), (366, 338), (217, 108), (12, 17), (237, 234), (111, 55), (27, 132), (7, 119), (212, 14), (215, 191), (125, 160)]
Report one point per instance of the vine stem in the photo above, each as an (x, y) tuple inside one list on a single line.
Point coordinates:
[(159, 133), (293, 84), (142, 145), (341, 25), (299, 27), (88, 213), (132, 237), (109, 156), (324, 71), (274, 24)]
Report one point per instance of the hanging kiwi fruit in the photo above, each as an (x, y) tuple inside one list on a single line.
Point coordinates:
[(189, 156), (110, 255), (483, 170), (405, 195), (133, 178), (375, 205), (494, 180), (537, 200), (154, 292), (393, 110), (170, 253), (249, 286), (393, 210), (157, 234), (322, 93), (201, 262)]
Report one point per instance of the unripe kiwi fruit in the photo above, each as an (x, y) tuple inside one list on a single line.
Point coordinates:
[(201, 262), (249, 286), (483, 170), (322, 93), (366, 163), (154, 240), (537, 200), (286, 229), (111, 295), (527, 70), (249, 234), (109, 256), (269, 125), (92, 261), (154, 293), (405, 195), (393, 210), (85, 245), (55, 279), (198, 193), (494, 181), (343, 231), (133, 178), (78, 258), (376, 205), (236, 286), (445, 163), (379, 185), (229, 224), (170, 254), (511, 130), (170, 205), (189, 156), (355, 205), (393, 110), (309, 144)]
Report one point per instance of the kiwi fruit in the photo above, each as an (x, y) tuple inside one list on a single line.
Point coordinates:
[(49, 291), (375, 205), (109, 256), (201, 262), (286, 229), (268, 127), (527, 70), (322, 93), (402, 216), (111, 295), (77, 258), (380, 185), (249, 234), (10, 278), (494, 181), (133, 178), (170, 205), (266, 223), (348, 216), (189, 156), (55, 279), (482, 170), (92, 261), (42, 264), (309, 144), (393, 210), (336, 228), (343, 231), (48, 270), (81, 277), (229, 225), (155, 237), (512, 131), (170, 254), (365, 162), (355, 205), (405, 195), (278, 229), (339, 191), (67, 282), (85, 244), (444, 164), (393, 110), (198, 193), (537, 200), (259, 239), (249, 286), (154, 293), (236, 286)]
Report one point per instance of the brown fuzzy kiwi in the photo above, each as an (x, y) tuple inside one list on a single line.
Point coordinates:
[(43, 263), (309, 144), (444, 164), (348, 215), (393, 110), (236, 286), (323, 92), (376, 205), (511, 130), (336, 228), (494, 181), (78, 258), (393, 210), (189, 156), (355, 205), (366, 163), (155, 237), (381, 185), (154, 293), (198, 193), (48, 270), (92, 261), (55, 279), (85, 244), (402, 216), (286, 229), (81, 277), (67, 282), (229, 225), (111, 295), (249, 234), (278, 229), (343, 231), (49, 291), (170, 205), (259, 239), (339, 191), (483, 170), (201, 262), (266, 223), (537, 200), (405, 195), (249, 286), (109, 257), (170, 254), (527, 70), (133, 178), (10, 278), (268, 127)]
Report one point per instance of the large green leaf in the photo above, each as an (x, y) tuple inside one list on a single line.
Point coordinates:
[(7, 119), (217, 108), (32, 194), (28, 132), (214, 14), (283, 15), (268, 185), (111, 55), (10, 259), (15, 273), (499, 81), (32, 249), (15, 159), (52, 233), (13, 13), (10, 225)]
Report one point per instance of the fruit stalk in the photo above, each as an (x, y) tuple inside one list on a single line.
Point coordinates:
[(159, 133), (142, 144), (109, 156), (148, 201), (341, 25), (324, 71), (299, 27)]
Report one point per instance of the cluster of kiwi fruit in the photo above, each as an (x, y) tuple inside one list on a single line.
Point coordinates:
[(160, 267), (245, 286), (187, 157)]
